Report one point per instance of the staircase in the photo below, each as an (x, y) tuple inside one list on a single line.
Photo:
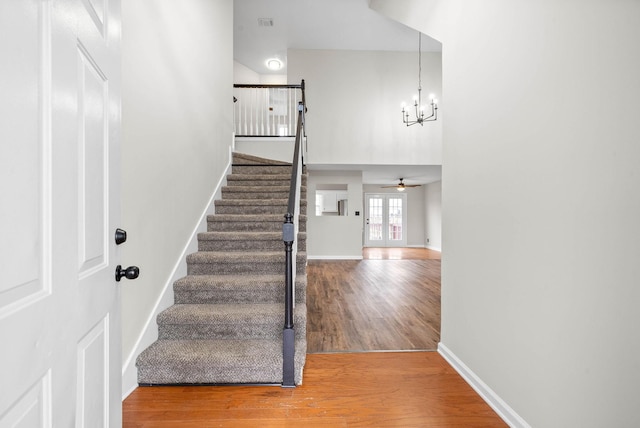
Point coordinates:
[(226, 324)]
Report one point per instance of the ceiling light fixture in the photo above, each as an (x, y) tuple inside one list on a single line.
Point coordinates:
[(274, 64), (417, 99), (401, 186)]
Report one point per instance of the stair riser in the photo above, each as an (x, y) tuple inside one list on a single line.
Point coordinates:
[(235, 193), (264, 295), (164, 369), (232, 246), (254, 268), (233, 178), (257, 209), (249, 182), (242, 330), (262, 170), (248, 226)]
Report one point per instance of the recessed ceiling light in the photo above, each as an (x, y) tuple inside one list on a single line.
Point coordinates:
[(274, 64)]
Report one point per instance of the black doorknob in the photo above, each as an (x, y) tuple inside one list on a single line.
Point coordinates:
[(131, 272)]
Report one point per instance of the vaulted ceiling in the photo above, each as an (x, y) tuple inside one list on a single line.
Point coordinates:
[(315, 24)]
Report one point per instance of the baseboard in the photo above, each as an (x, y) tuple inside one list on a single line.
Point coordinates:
[(486, 393), (430, 247), (150, 331), (358, 257)]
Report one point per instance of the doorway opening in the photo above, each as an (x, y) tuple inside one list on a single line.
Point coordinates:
[(385, 220)]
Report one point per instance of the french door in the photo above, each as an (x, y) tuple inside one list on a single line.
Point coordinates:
[(385, 220)]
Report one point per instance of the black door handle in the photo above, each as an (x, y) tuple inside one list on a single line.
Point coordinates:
[(131, 272)]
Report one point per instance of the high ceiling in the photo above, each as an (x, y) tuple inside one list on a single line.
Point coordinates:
[(326, 24), (315, 24)]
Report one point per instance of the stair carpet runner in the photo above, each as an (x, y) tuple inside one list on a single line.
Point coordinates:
[(226, 324)]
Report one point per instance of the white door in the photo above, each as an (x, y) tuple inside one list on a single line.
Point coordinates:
[(59, 152), (385, 220)]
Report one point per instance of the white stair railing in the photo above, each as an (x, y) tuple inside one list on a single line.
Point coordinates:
[(266, 110)]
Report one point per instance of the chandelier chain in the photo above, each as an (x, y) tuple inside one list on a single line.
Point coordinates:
[(419, 62)]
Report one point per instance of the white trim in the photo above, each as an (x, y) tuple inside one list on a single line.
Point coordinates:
[(486, 393), (431, 247), (150, 332), (358, 257)]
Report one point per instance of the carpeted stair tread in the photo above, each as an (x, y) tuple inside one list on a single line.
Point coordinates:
[(222, 262), (258, 192), (225, 313), (244, 189), (252, 202), (236, 288), (216, 362), (197, 282), (227, 320), (250, 222), (240, 257), (246, 159), (245, 241), (262, 180), (241, 236), (261, 169), (258, 218), (256, 206)]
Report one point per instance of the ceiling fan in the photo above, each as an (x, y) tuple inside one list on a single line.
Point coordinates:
[(401, 186)]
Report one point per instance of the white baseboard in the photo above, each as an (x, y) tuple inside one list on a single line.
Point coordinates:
[(358, 257), (431, 247), (486, 393), (150, 332)]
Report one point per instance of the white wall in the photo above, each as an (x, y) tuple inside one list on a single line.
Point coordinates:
[(177, 130), (244, 75), (540, 201), (415, 212), (354, 101), (433, 215), (335, 237)]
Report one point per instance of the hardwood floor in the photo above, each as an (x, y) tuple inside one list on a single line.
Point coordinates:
[(384, 389), (376, 253), (388, 301)]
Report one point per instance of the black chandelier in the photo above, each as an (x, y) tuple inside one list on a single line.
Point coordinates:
[(417, 99)]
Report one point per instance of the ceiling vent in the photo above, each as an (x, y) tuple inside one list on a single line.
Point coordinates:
[(265, 22)]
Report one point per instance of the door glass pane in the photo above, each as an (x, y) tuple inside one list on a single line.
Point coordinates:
[(375, 219), (395, 219)]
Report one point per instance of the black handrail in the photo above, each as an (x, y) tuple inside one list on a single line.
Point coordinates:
[(288, 237), (249, 85)]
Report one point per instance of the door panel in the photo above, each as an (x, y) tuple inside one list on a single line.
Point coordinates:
[(395, 221), (60, 130), (374, 216), (24, 155), (92, 168)]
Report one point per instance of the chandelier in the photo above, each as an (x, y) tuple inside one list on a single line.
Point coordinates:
[(417, 99)]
